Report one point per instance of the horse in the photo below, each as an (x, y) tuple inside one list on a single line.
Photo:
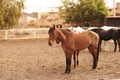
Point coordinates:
[(108, 34), (76, 31), (72, 42)]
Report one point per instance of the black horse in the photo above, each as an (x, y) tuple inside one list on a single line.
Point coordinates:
[(106, 35)]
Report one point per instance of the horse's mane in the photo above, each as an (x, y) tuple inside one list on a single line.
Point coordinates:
[(66, 31), (51, 29)]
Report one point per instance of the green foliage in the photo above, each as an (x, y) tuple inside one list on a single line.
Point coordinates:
[(91, 12), (10, 12)]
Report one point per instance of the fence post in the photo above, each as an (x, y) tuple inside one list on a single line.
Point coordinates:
[(34, 33), (6, 34)]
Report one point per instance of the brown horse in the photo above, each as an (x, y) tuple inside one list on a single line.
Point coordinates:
[(72, 42)]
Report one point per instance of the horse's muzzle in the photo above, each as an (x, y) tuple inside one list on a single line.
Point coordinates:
[(49, 43), (57, 41)]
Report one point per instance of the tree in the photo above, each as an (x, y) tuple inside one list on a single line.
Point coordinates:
[(82, 12), (10, 12)]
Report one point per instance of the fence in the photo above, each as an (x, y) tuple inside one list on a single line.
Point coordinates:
[(24, 33)]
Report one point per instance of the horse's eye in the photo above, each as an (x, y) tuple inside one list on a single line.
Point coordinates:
[(52, 33)]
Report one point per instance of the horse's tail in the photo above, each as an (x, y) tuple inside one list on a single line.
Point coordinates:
[(119, 32)]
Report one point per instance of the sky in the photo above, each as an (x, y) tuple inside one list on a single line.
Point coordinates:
[(34, 5), (40, 5), (109, 3)]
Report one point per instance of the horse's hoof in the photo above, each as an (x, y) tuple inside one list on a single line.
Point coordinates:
[(74, 67), (114, 51), (77, 63), (94, 67), (67, 72)]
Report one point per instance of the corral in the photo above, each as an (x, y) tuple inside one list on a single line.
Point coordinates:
[(33, 59)]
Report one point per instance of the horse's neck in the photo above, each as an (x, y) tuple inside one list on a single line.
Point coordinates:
[(61, 36)]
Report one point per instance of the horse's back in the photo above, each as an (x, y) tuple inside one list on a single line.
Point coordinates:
[(107, 34), (93, 35), (85, 39), (88, 34), (81, 40)]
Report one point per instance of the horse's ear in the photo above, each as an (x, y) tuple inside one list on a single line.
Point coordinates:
[(54, 26), (57, 26), (60, 26)]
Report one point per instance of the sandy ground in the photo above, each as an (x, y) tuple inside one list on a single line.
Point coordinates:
[(33, 59)]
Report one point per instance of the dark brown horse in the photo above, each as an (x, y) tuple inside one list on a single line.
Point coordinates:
[(106, 35), (75, 42)]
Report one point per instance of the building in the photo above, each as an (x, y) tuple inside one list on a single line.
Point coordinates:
[(113, 20), (117, 10), (26, 18)]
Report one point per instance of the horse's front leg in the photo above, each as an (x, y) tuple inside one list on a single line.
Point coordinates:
[(68, 63)]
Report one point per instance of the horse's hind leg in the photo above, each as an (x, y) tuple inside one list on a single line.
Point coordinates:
[(74, 58), (95, 53), (77, 58), (115, 45), (118, 44)]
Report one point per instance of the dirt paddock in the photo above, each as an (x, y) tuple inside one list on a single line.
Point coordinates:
[(33, 59)]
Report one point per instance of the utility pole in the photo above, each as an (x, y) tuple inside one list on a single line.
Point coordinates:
[(39, 11), (114, 10)]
